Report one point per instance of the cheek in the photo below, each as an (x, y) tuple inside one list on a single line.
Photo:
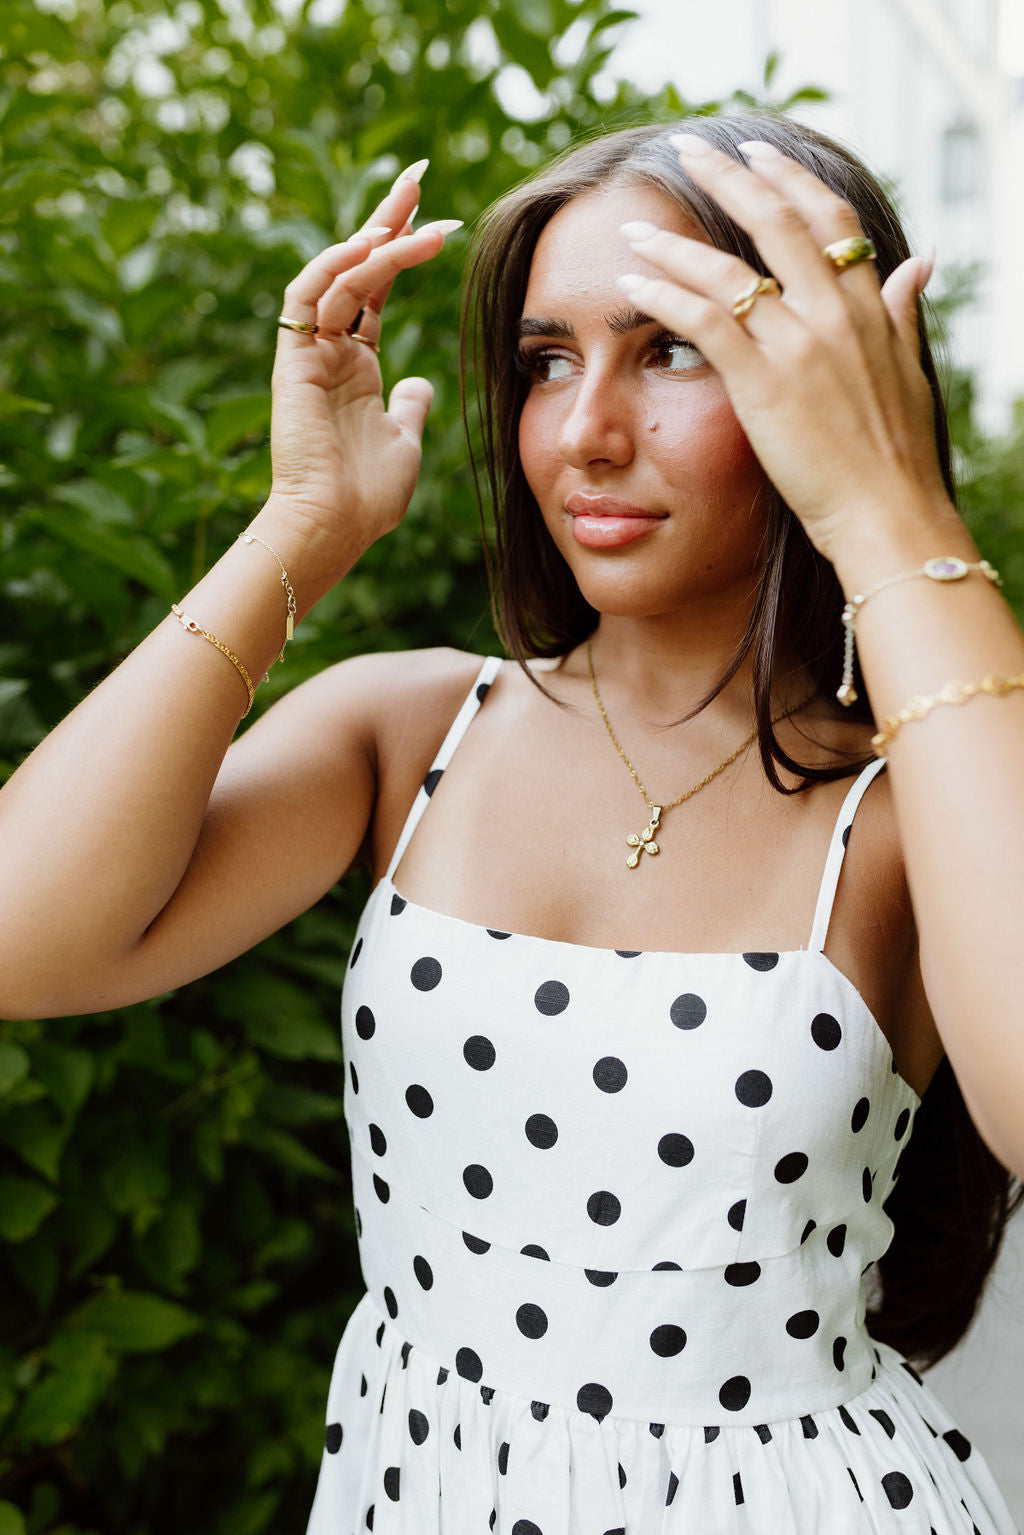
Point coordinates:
[(705, 445), (538, 443)]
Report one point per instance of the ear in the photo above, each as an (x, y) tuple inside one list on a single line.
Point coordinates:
[(900, 294)]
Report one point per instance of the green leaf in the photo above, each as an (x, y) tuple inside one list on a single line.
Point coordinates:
[(135, 1323), (14, 1063), (24, 1205), (57, 1404), (66, 1072), (11, 1520), (36, 1136), (17, 404), (132, 554), (98, 501), (278, 1015), (230, 421), (286, 1151)]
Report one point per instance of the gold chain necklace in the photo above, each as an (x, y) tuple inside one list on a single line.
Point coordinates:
[(643, 842)]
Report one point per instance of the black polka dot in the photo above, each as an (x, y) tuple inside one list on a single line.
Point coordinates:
[(406, 1351), (673, 1485), (378, 1141), (495, 932), (595, 1399), (958, 1443), (622, 1483), (846, 834), (656, 1430), (753, 1088), (479, 1052), (539, 1410), (419, 1428), (884, 1419), (359, 1218), (398, 904), (475, 1244), (355, 1079), (550, 998), (629, 953), (791, 1167), (365, 1023), (390, 1302), (531, 1320), (667, 1264), (369, 1517), (825, 1031), (355, 953), (503, 1458), (848, 1420), (856, 1484), (381, 1189), (425, 973), (688, 1011), (379, 1335), (675, 1150), (838, 1352), (668, 1340), (541, 1131), (803, 1324), (810, 1428), (811, 1226), (486, 1395), (524, 1527), (457, 1436), (602, 1278), (603, 1208), (478, 1180), (736, 1214), (610, 1074), (482, 690), (532, 1250), (858, 1118), (737, 1488), (363, 1387), (761, 961), (468, 1364), (332, 1439), (392, 1478), (902, 1121), (419, 1101), (711, 1433), (432, 780), (897, 1488), (865, 1184), (741, 1273), (836, 1241), (735, 1394), (424, 1273)]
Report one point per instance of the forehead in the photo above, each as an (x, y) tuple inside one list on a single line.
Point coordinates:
[(580, 251)]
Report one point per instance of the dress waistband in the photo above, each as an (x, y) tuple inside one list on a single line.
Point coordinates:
[(748, 1344)]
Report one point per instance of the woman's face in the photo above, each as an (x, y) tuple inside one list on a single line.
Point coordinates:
[(627, 439)]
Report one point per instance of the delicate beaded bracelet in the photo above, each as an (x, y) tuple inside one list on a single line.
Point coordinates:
[(953, 693), (289, 626), (945, 568), (193, 628)]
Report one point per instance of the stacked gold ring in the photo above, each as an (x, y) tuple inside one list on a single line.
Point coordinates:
[(844, 253), (745, 301), (304, 327)]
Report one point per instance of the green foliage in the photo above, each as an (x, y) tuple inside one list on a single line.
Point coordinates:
[(178, 1253)]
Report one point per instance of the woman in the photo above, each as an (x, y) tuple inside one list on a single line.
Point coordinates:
[(628, 1079)]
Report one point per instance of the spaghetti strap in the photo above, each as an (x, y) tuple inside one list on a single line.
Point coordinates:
[(474, 698), (836, 853)]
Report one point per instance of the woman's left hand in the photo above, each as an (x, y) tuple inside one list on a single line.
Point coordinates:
[(825, 380)]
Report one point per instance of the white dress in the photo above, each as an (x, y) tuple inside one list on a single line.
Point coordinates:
[(614, 1212)]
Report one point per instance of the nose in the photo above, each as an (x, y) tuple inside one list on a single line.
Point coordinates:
[(599, 421)]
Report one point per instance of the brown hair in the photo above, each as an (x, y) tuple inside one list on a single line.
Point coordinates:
[(953, 1197)]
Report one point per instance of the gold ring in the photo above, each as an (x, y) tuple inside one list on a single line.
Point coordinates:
[(844, 253), (304, 327), (745, 301), (354, 335)]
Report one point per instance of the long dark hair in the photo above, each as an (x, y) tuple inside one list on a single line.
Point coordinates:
[(953, 1197)]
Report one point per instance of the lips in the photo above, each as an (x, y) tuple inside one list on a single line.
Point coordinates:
[(605, 522)]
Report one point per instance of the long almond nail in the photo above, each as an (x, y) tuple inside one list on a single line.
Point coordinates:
[(378, 229), (445, 226), (413, 172)]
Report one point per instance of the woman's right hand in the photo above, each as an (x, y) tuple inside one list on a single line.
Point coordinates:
[(341, 461)]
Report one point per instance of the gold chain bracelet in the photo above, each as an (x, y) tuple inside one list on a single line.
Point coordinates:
[(193, 628), (289, 624), (953, 693)]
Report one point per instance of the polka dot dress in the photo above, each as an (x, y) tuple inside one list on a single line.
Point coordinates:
[(615, 1212)]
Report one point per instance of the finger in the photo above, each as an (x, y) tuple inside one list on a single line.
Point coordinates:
[(717, 274), (375, 303), (410, 402), (303, 294), (355, 287), (725, 343), (775, 224), (399, 203), (899, 295)]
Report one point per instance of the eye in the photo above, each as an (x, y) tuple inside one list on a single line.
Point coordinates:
[(675, 355), (543, 366)]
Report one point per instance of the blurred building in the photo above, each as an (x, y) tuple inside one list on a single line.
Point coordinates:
[(930, 92)]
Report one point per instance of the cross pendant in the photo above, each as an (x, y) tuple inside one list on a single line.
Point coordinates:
[(644, 843)]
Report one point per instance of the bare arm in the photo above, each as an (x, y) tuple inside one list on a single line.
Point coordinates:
[(120, 863)]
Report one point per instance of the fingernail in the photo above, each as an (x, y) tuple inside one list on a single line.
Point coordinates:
[(925, 272), (446, 226), (629, 282), (757, 149), (638, 229), (413, 172), (377, 230), (690, 143)]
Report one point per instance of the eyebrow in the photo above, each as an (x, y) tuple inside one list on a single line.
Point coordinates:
[(619, 323)]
